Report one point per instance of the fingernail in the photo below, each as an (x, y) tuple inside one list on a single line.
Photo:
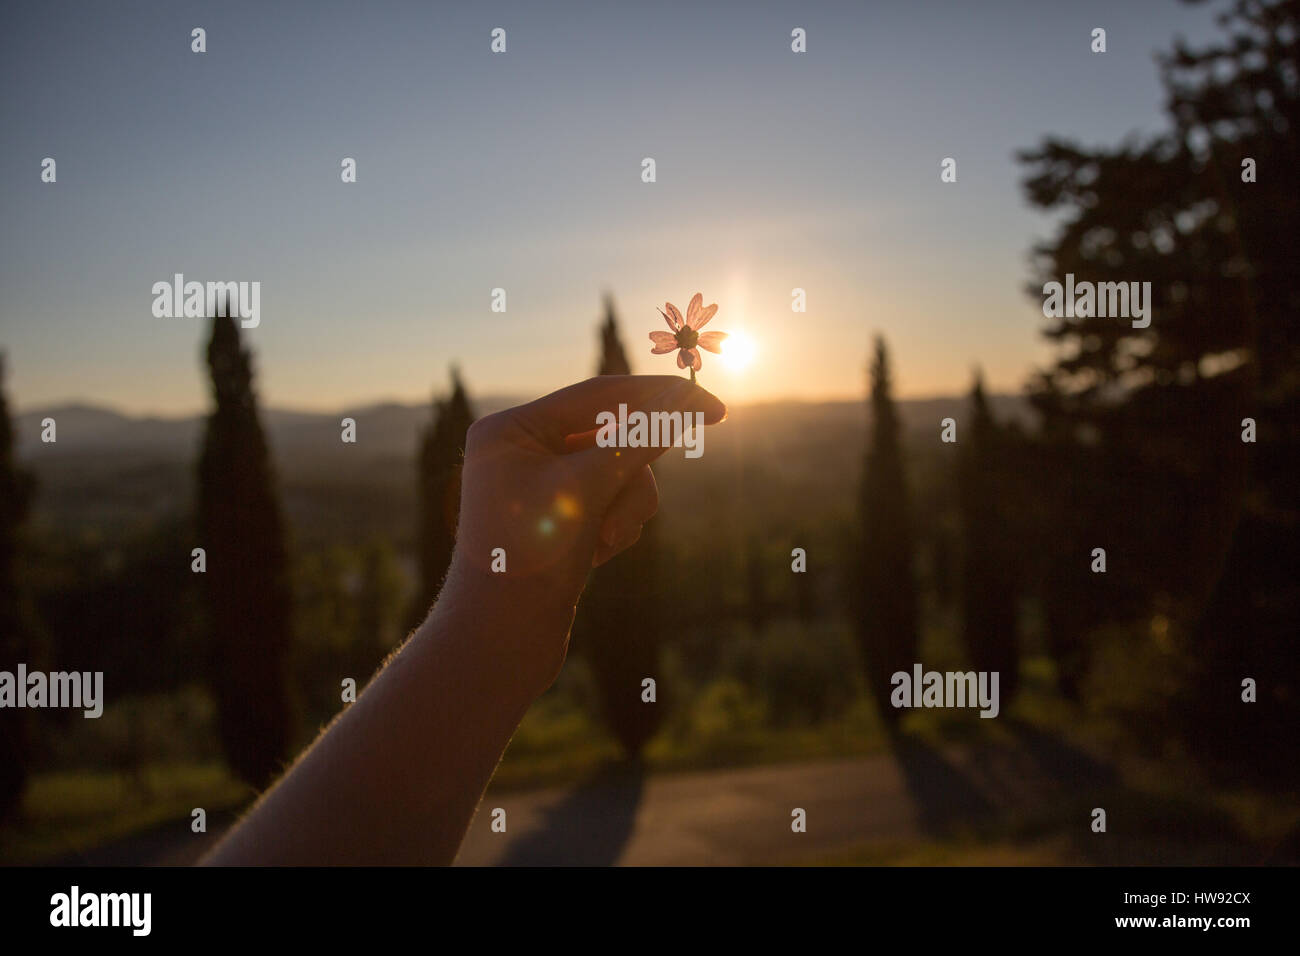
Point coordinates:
[(696, 398)]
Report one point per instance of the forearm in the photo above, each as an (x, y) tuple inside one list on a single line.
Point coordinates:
[(396, 777)]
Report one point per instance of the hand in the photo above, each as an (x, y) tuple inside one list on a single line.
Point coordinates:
[(536, 486)]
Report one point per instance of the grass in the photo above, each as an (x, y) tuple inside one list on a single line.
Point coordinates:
[(70, 812)]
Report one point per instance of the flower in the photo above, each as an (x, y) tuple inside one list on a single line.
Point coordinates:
[(685, 336)]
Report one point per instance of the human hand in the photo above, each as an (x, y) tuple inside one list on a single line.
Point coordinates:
[(536, 486)]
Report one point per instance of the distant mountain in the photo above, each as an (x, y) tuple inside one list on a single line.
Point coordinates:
[(384, 428), (84, 427), (391, 429)]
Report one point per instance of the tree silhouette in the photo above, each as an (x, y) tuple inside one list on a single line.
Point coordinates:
[(15, 498), (248, 592), (988, 573), (442, 455), (886, 608), (1199, 518), (618, 624)]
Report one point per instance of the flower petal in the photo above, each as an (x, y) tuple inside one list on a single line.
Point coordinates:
[(664, 342), (703, 316), (681, 358), (710, 340), (673, 318), (694, 358), (693, 309)]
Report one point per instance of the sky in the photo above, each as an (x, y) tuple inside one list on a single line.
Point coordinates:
[(522, 171)]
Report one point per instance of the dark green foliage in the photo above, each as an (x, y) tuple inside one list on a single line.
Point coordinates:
[(15, 498), (757, 602), (886, 611), (987, 477), (349, 615), (442, 455), (129, 611), (249, 599), (1149, 422), (618, 624)]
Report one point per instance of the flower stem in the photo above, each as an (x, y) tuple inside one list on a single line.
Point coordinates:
[(692, 376)]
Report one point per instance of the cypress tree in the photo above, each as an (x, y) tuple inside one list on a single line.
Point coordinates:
[(15, 497), (618, 624), (887, 615), (248, 591), (988, 584), (442, 455)]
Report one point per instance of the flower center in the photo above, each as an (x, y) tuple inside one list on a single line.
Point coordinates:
[(687, 337)]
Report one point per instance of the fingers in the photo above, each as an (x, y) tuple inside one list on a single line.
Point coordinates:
[(573, 410), (634, 505), (604, 552)]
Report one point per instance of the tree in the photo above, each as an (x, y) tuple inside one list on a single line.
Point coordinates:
[(15, 499), (886, 610), (442, 455), (618, 624), (248, 592), (1202, 521), (988, 571)]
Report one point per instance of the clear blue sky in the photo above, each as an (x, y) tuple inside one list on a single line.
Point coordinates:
[(522, 171)]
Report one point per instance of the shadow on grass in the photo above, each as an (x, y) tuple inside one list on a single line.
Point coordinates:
[(945, 797), (1180, 824), (1060, 761), (1038, 789)]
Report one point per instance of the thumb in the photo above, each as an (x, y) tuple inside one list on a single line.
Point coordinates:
[(668, 415)]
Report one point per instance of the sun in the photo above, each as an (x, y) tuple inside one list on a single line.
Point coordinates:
[(738, 350)]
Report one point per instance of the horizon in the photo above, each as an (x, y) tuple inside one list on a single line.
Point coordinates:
[(492, 398)]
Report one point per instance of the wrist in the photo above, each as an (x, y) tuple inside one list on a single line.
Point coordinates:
[(522, 622)]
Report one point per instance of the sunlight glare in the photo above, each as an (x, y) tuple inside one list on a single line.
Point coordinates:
[(738, 350)]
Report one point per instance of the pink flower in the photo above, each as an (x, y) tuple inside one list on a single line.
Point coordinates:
[(685, 336)]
